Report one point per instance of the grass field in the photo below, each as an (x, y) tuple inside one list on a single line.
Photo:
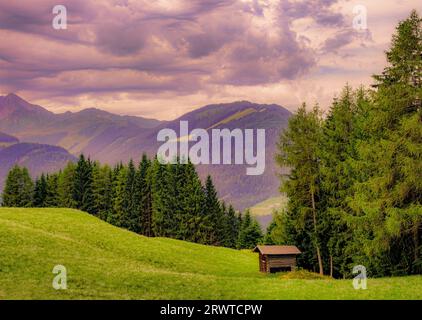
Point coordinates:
[(105, 262), (267, 206)]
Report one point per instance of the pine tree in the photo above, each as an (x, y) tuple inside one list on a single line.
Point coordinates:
[(82, 187), (231, 227), (191, 197), (250, 233), (102, 188), (163, 220), (214, 214), (19, 188), (65, 186), (143, 197), (119, 195), (129, 217), (298, 149), (40, 192), (387, 204), (52, 196)]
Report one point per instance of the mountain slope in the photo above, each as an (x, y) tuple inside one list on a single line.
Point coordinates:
[(7, 140), (86, 131), (17, 115), (233, 184), (105, 262), (37, 158), (112, 138)]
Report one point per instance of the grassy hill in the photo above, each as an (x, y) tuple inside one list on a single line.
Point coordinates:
[(268, 206), (105, 262), (263, 211)]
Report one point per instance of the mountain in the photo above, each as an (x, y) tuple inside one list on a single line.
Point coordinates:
[(231, 181), (17, 115), (7, 140), (37, 158), (87, 131), (112, 138)]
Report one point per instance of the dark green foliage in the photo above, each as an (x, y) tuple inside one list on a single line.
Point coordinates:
[(214, 214), (143, 197), (19, 188), (163, 222), (102, 188), (52, 196), (355, 186), (40, 192), (82, 185), (66, 182), (250, 233), (299, 149), (230, 227)]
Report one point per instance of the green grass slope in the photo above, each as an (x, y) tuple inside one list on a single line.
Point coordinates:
[(268, 206), (105, 262)]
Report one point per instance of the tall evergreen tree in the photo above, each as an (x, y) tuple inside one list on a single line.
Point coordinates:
[(40, 191), (65, 186), (250, 233), (143, 197), (387, 202), (230, 227), (102, 188), (82, 187), (214, 214), (298, 149), (129, 218), (52, 196), (19, 188)]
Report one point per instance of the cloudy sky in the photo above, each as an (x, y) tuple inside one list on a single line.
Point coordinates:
[(162, 58)]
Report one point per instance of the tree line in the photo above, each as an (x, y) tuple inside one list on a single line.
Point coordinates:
[(152, 199), (355, 186)]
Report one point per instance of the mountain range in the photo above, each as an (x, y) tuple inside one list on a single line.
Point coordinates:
[(44, 141)]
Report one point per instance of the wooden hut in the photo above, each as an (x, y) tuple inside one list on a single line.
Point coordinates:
[(277, 258)]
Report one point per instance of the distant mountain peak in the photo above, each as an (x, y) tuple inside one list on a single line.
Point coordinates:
[(14, 99)]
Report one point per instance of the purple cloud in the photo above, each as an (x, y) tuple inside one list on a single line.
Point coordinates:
[(158, 46)]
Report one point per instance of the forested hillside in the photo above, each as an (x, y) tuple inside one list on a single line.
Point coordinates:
[(152, 199)]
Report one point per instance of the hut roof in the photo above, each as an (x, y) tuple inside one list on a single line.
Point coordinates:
[(277, 250)]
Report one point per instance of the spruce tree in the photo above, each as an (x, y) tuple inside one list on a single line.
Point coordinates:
[(52, 196), (129, 218), (82, 186), (143, 197), (214, 213), (299, 149), (19, 188), (387, 204), (250, 233), (102, 188), (119, 196), (65, 186), (40, 192)]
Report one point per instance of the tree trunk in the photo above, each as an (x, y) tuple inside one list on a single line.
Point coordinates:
[(331, 266), (321, 270)]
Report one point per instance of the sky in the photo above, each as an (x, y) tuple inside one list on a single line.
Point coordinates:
[(163, 58)]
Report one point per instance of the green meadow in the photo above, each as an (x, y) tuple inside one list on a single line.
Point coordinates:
[(106, 262)]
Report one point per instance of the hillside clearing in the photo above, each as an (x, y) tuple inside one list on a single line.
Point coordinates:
[(105, 262)]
